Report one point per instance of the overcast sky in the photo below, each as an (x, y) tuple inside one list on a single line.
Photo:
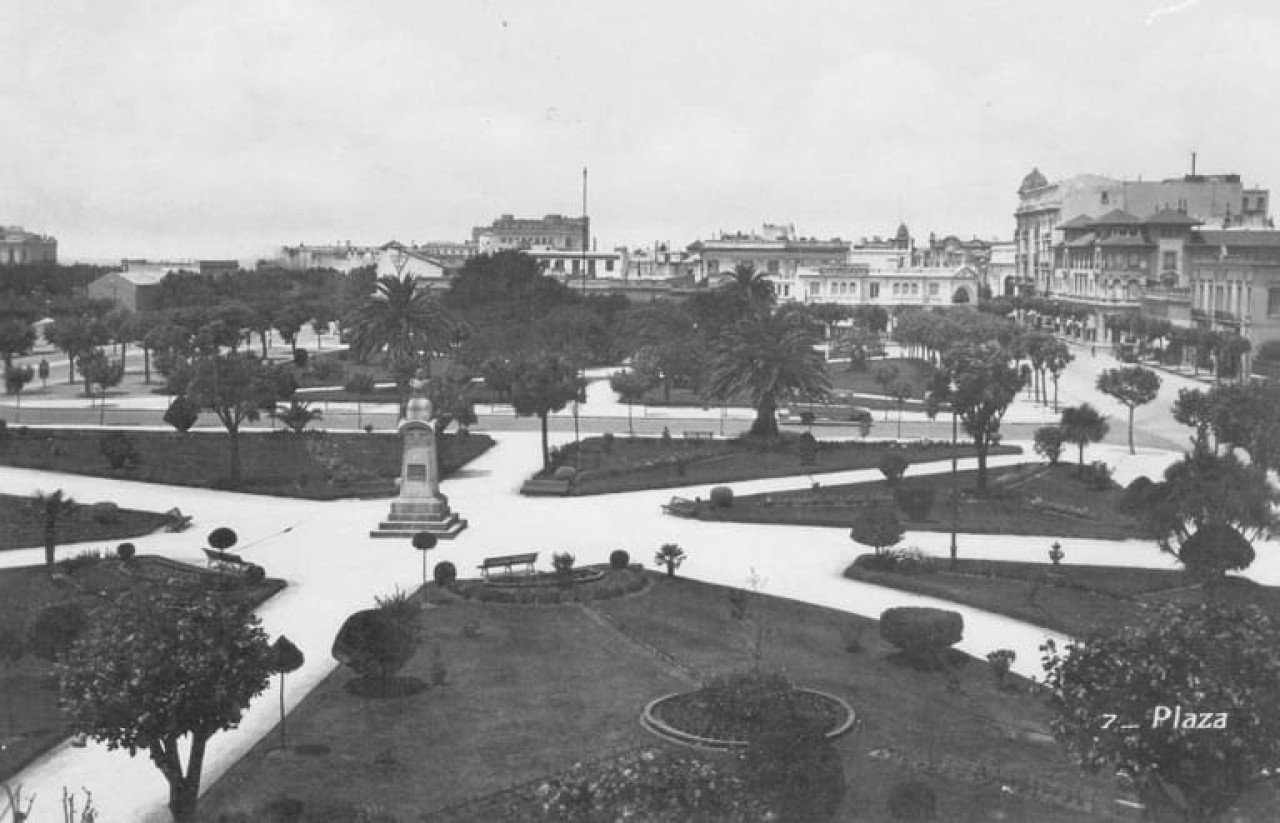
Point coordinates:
[(224, 129)]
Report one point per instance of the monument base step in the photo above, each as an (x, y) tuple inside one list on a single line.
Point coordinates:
[(406, 528)]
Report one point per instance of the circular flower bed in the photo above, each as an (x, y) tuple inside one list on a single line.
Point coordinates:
[(728, 712), (589, 583), (543, 579)]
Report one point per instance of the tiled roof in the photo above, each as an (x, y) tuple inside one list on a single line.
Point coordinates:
[(1124, 241), (1116, 217), (1080, 221), (1243, 238), (1083, 240)]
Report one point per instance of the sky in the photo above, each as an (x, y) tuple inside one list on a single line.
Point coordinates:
[(226, 129)]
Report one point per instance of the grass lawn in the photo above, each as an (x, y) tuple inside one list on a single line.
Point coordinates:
[(628, 464), (22, 527), (316, 465), (1031, 499), (531, 690), (30, 722), (1069, 599), (913, 371)]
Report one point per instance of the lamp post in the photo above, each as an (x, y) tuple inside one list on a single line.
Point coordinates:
[(955, 476)]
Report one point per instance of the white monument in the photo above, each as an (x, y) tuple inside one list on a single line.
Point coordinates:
[(420, 507)]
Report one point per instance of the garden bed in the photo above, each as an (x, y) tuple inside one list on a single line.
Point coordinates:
[(26, 687), (617, 464), (693, 719), (22, 526), (315, 465), (1015, 503), (548, 588)]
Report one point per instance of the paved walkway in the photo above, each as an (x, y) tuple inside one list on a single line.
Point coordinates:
[(333, 568)]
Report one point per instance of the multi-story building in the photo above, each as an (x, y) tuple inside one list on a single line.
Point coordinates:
[(20, 247), (1233, 283), (342, 257), (1002, 268), (554, 231), (776, 251), (661, 262)]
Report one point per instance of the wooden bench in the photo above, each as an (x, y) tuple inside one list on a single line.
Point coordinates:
[(226, 561), (699, 435), (507, 561)]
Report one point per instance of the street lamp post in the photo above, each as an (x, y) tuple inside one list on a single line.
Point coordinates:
[(955, 476)]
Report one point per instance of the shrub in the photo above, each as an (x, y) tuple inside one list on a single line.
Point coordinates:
[(606, 442), (721, 497), (120, 451), (126, 551), (619, 559), (374, 643), (1048, 443), (666, 435), (55, 628), (182, 414), (1001, 660), (1134, 499), (893, 466), (328, 371), (876, 526), (912, 801), (105, 513), (1216, 548), (86, 558), (793, 766), (878, 562), (301, 357), (564, 473), (444, 573), (915, 502), (222, 538), (255, 574), (1096, 476), (921, 632)]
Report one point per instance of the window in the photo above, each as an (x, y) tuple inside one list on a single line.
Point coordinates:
[(773, 267), (608, 264), (897, 289), (875, 290), (933, 289), (814, 289)]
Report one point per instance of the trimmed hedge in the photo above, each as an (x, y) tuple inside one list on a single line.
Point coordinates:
[(921, 631), (721, 497)]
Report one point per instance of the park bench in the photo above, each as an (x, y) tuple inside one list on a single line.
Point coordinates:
[(507, 561), (699, 435), (226, 561), (176, 521), (680, 507)]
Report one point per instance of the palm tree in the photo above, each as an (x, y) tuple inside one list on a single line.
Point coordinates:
[(51, 508), (771, 358), (752, 289), (404, 321)]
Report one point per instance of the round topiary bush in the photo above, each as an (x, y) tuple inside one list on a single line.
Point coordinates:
[(721, 497), (1135, 494), (222, 538), (444, 573), (126, 551), (104, 513), (921, 631), (619, 559), (912, 801), (564, 473), (255, 573), (1216, 548), (374, 644)]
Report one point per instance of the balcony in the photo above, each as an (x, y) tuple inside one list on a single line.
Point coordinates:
[(1169, 294)]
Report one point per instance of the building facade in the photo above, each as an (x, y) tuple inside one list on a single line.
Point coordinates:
[(342, 257), (554, 231), (1233, 284), (19, 247), (776, 251), (134, 290)]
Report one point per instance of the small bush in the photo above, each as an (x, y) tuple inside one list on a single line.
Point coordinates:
[(55, 628), (893, 466), (182, 414), (619, 559), (879, 562), (1134, 498), (86, 558), (916, 502), (120, 451), (565, 473), (105, 513), (126, 551), (1216, 548), (721, 497), (1048, 443), (255, 574), (1096, 476), (921, 631), (912, 801), (606, 442), (1001, 660), (666, 435), (444, 573), (301, 357), (374, 643), (328, 371)]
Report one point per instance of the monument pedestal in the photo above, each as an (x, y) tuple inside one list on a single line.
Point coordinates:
[(420, 507)]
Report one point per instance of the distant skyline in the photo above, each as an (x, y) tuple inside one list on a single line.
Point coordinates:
[(203, 129)]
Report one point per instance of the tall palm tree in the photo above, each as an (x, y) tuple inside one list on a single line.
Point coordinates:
[(404, 321), (50, 508), (752, 289), (771, 358)]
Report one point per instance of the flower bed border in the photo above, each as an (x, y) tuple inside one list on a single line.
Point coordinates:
[(668, 732)]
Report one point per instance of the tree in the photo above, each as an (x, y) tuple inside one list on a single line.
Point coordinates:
[(76, 335), (886, 377), (631, 387), (671, 556), (771, 358), (359, 384), (750, 290), (16, 338), (50, 509), (16, 379), (236, 387), (1132, 386), (893, 466), (1113, 693), (877, 527), (182, 414), (1056, 357), (1083, 425), (1194, 408), (285, 659), (978, 382), (901, 392), (1247, 416), (403, 320), (162, 666), (1048, 443), (541, 386), (1205, 492), (297, 415)]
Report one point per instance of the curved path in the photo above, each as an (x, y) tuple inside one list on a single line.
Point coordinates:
[(333, 568)]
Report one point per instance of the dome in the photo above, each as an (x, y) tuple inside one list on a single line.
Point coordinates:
[(1034, 180)]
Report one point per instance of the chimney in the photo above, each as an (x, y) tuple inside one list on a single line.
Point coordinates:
[(1193, 164)]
